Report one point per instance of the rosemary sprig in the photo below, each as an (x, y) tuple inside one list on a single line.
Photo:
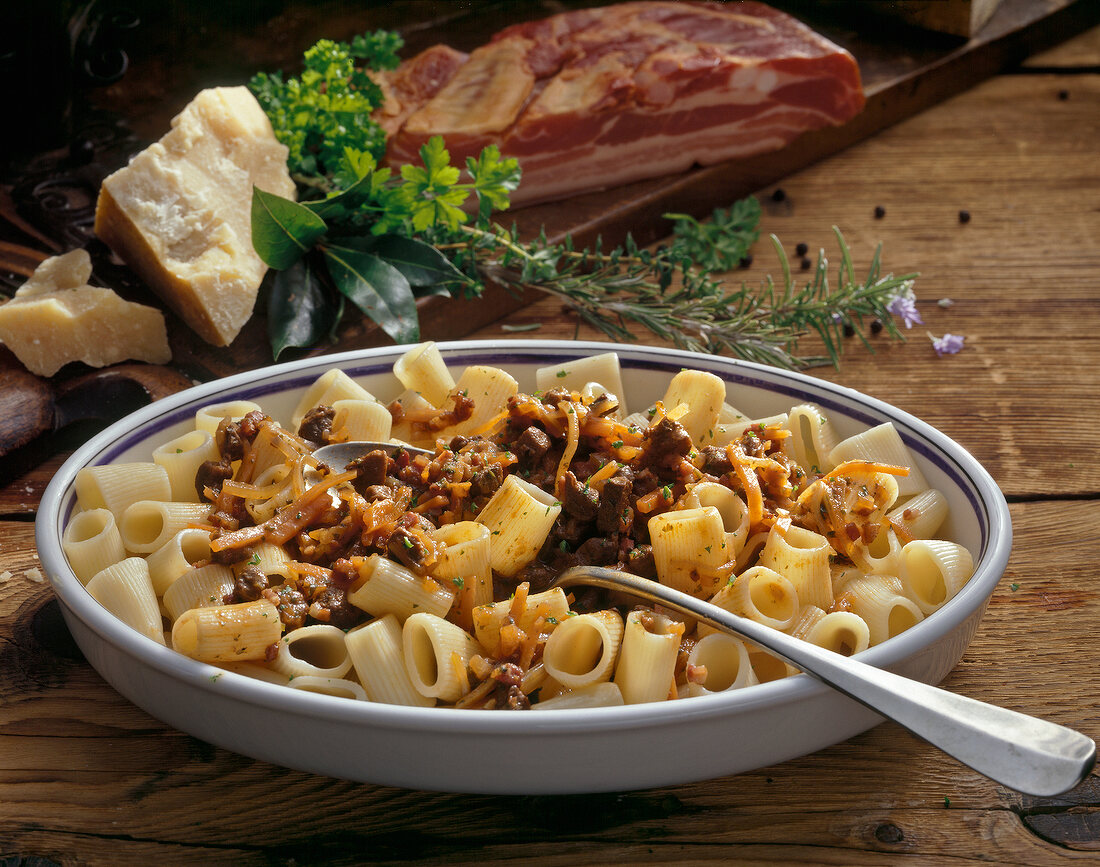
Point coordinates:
[(629, 287)]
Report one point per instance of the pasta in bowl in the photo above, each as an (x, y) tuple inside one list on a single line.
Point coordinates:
[(406, 582)]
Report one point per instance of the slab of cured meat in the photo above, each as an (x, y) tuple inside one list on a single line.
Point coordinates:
[(600, 97)]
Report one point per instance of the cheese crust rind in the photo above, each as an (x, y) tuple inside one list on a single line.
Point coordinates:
[(180, 213)]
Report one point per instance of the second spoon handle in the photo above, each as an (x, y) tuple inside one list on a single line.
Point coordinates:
[(1022, 752)]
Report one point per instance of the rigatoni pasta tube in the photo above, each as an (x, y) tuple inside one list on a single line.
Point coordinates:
[(577, 373), (92, 542), (647, 659), (489, 388), (176, 556), (125, 590), (362, 420), (227, 633), (582, 650), (386, 587), (882, 444), (376, 652), (437, 655), (116, 486), (519, 517), (727, 664), (148, 524), (812, 437), (802, 557), (933, 571), (329, 387), (208, 418), (689, 545), (317, 650), (464, 564), (876, 598), (734, 512), (921, 516), (198, 587), (759, 594), (423, 370), (703, 394), (596, 695), (181, 459), (334, 686)]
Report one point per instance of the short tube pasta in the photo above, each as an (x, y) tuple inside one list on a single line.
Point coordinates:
[(933, 571), (647, 658), (882, 444), (423, 370), (362, 420), (689, 546), (465, 565), (181, 459), (376, 652), (519, 516), (878, 600), (176, 556), (92, 542), (582, 650), (702, 395), (437, 654), (227, 633), (386, 587), (199, 587), (208, 418), (759, 594), (725, 660), (604, 694), (921, 516), (315, 651), (116, 486), (802, 557), (125, 590), (148, 524)]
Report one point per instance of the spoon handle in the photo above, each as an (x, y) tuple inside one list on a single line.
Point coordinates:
[(1022, 752)]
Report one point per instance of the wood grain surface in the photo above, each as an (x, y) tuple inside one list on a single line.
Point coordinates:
[(86, 778)]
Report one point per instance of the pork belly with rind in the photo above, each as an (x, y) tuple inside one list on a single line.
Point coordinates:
[(180, 213), (600, 97)]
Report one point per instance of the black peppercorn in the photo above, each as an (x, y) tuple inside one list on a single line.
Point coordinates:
[(880, 212), (849, 329), (876, 326), (806, 264), (746, 260), (802, 249), (964, 216), (779, 195)]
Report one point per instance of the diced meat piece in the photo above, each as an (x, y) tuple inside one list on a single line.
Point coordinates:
[(579, 500), (636, 90), (316, 426), (615, 514), (370, 469), (665, 444), (531, 446)]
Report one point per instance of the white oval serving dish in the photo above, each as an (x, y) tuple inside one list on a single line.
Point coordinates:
[(601, 749)]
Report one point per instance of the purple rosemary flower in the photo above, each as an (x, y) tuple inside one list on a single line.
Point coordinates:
[(904, 306), (949, 344)]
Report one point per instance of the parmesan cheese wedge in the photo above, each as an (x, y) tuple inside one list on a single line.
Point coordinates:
[(56, 317), (180, 213)]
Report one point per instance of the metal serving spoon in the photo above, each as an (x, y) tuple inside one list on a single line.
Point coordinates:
[(338, 455), (1022, 752)]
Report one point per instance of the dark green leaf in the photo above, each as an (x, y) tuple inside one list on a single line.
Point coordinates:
[(377, 288), (300, 311), (421, 263), (282, 230)]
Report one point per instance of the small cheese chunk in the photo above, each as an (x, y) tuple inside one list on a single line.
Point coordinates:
[(180, 213), (56, 317)]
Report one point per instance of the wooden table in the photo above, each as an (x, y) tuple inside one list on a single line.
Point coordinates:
[(85, 777)]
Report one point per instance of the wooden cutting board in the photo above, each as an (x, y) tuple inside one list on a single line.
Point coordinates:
[(47, 198)]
